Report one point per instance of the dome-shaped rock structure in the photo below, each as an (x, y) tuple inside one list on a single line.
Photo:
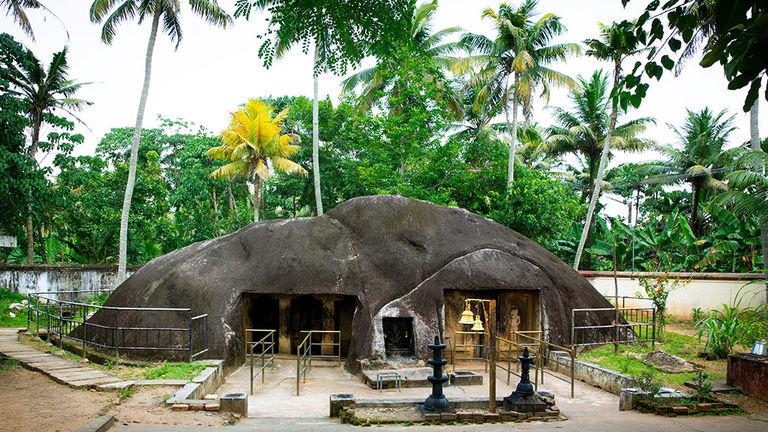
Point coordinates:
[(390, 273)]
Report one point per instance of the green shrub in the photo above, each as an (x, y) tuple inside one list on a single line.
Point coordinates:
[(731, 326), (8, 297)]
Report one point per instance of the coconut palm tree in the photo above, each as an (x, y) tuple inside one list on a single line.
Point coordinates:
[(45, 91), (510, 67), (17, 9), (582, 131), (373, 81), (698, 159), (169, 11), (616, 43), (254, 147)]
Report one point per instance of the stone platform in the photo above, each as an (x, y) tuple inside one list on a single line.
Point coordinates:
[(417, 377)]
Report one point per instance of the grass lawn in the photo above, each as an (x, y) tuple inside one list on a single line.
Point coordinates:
[(629, 362), (6, 298)]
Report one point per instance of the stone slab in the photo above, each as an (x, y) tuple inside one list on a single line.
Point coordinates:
[(99, 424)]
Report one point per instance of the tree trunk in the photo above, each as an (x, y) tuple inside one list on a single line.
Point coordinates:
[(230, 199), (600, 170), (754, 138), (123, 252), (315, 137), (256, 198), (695, 191), (37, 120), (512, 127)]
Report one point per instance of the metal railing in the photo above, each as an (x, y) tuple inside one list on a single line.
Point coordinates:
[(304, 354), (461, 349), (637, 324), (542, 350), (66, 317), (260, 351)]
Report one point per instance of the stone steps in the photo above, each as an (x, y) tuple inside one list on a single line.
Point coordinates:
[(59, 369)]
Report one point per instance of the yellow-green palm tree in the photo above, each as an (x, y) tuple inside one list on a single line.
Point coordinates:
[(254, 146), (515, 63), (114, 12)]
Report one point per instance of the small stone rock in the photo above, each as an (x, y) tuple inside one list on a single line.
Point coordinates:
[(491, 417), (547, 400), (196, 407), (681, 410), (716, 405), (211, 396), (180, 407), (431, 416), (705, 406), (545, 394), (212, 406)]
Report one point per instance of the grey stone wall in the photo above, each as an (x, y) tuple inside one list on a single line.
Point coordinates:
[(47, 278)]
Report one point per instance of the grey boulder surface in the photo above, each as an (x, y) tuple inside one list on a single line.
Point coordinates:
[(395, 255)]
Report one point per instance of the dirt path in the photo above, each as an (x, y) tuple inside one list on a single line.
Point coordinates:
[(30, 401)]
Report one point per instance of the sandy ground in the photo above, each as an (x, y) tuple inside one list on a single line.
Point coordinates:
[(30, 401)]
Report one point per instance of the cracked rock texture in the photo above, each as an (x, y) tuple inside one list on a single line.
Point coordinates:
[(396, 255)]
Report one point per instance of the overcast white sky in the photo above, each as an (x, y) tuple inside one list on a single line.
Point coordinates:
[(214, 70)]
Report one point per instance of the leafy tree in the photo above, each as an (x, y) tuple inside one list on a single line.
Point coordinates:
[(698, 159), (44, 91), (21, 177), (616, 43), (342, 33), (733, 34), (169, 12), (253, 145), (522, 209), (377, 82), (520, 53)]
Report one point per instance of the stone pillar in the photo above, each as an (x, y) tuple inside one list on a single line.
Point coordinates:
[(284, 339), (329, 315)]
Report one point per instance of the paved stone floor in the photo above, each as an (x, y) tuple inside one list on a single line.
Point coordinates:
[(60, 369), (274, 407)]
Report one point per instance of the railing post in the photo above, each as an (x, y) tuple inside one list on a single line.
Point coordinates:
[(189, 330), (47, 322), (263, 353), (61, 326), (85, 331), (573, 370), (29, 305), (573, 327), (247, 352), (298, 367)]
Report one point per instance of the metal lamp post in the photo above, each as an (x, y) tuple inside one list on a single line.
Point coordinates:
[(467, 318)]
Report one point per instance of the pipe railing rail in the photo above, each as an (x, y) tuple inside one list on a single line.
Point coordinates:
[(261, 351), (467, 350), (638, 325), (543, 349), (66, 316), (304, 352)]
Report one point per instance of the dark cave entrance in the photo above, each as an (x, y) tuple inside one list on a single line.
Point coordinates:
[(398, 336), (289, 315)]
